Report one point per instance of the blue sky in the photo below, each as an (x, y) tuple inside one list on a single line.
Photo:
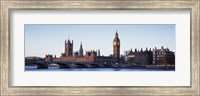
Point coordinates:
[(42, 39)]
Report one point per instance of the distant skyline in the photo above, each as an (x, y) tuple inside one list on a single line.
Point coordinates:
[(42, 39)]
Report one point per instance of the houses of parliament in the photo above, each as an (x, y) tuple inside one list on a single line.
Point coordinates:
[(144, 57), (90, 57)]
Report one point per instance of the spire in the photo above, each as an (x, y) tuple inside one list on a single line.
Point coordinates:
[(116, 34), (69, 41), (81, 50), (162, 47), (98, 52), (81, 45), (167, 49), (116, 38)]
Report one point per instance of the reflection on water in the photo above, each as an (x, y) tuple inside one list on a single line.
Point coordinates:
[(32, 68)]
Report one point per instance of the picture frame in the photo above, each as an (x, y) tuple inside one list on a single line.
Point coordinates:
[(7, 7)]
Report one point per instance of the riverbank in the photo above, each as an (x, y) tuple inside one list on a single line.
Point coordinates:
[(104, 66)]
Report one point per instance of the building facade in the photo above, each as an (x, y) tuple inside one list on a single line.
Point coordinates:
[(140, 57), (157, 56), (90, 56), (116, 48), (163, 56), (143, 57), (68, 48), (33, 59)]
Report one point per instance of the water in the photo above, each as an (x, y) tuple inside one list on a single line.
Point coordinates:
[(32, 68)]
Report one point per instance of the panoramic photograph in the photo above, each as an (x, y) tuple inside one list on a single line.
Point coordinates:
[(99, 47)]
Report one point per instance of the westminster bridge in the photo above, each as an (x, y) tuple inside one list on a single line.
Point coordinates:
[(46, 64)]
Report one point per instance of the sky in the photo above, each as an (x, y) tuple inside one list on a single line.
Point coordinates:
[(43, 39)]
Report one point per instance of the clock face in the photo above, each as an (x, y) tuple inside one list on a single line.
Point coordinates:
[(115, 43)]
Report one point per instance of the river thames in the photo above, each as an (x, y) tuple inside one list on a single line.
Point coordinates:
[(32, 68)]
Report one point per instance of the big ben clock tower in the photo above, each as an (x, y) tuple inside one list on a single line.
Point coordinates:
[(116, 47)]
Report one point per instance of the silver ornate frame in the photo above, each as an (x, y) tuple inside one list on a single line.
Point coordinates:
[(8, 5)]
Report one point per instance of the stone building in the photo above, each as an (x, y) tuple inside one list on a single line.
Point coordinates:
[(157, 56), (33, 59), (140, 57), (143, 57), (163, 56), (48, 57), (78, 56), (116, 48), (90, 56)]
